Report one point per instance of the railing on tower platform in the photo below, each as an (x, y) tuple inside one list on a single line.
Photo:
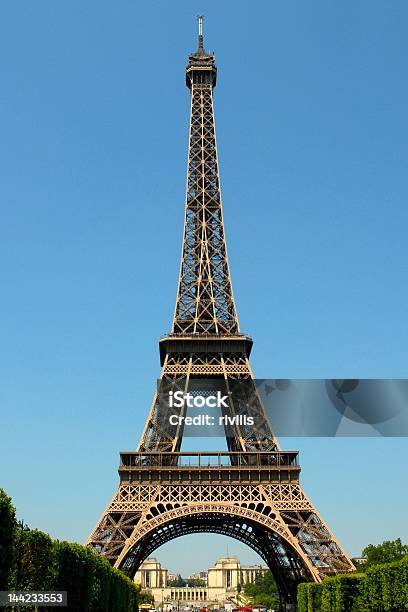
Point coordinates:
[(256, 460)]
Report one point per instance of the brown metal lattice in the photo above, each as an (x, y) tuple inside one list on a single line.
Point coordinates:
[(251, 493)]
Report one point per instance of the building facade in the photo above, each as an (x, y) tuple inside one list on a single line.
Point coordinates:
[(228, 573), (151, 575), (199, 576), (223, 583)]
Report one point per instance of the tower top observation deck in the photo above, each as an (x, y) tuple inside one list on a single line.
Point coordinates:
[(201, 66)]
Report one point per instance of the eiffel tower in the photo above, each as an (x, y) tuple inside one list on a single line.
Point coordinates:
[(250, 492)]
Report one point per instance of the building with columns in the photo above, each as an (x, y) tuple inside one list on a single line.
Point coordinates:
[(222, 583), (151, 575), (228, 573)]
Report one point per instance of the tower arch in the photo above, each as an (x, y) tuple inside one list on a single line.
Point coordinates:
[(265, 535)]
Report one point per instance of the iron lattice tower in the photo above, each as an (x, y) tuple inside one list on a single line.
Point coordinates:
[(252, 492)]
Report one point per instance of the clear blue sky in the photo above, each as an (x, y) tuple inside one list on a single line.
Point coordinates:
[(311, 109)]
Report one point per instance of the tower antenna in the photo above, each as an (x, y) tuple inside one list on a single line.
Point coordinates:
[(200, 31), (200, 24)]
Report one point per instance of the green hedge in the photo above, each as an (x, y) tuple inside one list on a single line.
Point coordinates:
[(7, 525), (91, 582), (341, 593), (347, 591), (31, 561), (384, 588), (309, 597)]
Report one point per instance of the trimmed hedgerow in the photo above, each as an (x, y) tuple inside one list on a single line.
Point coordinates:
[(384, 588), (92, 584), (31, 561), (309, 597), (7, 527)]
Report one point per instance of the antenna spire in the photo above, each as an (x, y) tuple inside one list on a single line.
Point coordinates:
[(200, 31)]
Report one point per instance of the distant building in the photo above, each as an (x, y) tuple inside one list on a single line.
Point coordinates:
[(151, 575), (359, 560), (199, 576), (221, 584), (228, 573)]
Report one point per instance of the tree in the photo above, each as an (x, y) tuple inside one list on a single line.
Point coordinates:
[(7, 527), (17, 572), (33, 560), (388, 551), (263, 591), (75, 574), (145, 597), (178, 582), (195, 582)]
